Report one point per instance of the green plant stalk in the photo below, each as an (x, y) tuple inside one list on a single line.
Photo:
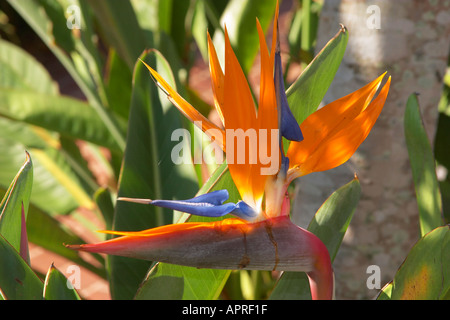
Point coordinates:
[(306, 25)]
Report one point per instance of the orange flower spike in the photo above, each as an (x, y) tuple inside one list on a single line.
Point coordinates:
[(217, 78), (239, 114), (267, 124), (187, 109), (334, 132)]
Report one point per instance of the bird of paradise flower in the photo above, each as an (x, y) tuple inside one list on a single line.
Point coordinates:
[(262, 236)]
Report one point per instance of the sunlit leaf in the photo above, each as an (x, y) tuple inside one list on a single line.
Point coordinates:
[(14, 207), (65, 115), (423, 168), (424, 273)]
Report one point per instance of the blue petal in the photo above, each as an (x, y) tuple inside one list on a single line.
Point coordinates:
[(206, 205), (216, 197), (287, 123), (209, 205), (244, 211)]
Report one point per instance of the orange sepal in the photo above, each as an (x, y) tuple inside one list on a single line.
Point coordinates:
[(188, 110), (217, 78), (240, 117), (333, 133)]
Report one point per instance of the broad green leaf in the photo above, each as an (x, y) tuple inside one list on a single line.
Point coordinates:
[(53, 167), (189, 283), (56, 188), (26, 94), (330, 224), (117, 84), (26, 135), (35, 14), (148, 170), (57, 287), (65, 115), (424, 275), (306, 93), (29, 94), (173, 282), (121, 28), (45, 18), (17, 279), (423, 168), (14, 207), (22, 71)]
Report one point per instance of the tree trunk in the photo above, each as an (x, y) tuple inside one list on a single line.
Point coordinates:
[(410, 39)]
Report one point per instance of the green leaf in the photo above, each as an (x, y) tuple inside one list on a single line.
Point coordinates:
[(103, 199), (306, 93), (121, 28), (240, 19), (173, 282), (330, 224), (82, 59), (28, 94), (56, 286), (424, 275), (55, 186), (386, 292), (303, 31), (20, 70), (423, 168), (17, 279), (65, 115), (41, 229), (187, 282), (199, 26), (50, 234), (55, 178), (148, 170), (14, 206), (117, 84)]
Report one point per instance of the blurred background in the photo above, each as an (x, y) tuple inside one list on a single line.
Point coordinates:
[(65, 93)]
